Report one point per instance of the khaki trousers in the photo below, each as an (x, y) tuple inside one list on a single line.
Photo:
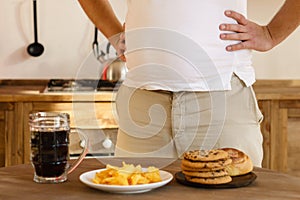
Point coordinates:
[(166, 124)]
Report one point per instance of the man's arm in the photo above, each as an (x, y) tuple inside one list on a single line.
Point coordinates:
[(101, 14), (262, 38)]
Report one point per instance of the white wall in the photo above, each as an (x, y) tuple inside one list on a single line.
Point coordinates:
[(282, 62), (64, 30), (67, 36)]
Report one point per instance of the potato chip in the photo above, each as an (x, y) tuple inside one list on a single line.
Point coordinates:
[(128, 174)]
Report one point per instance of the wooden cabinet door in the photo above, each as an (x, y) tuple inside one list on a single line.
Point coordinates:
[(8, 136)]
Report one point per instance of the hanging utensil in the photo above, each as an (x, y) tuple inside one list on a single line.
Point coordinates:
[(99, 55), (114, 69), (35, 49)]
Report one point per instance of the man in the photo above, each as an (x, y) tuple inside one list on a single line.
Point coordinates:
[(193, 59)]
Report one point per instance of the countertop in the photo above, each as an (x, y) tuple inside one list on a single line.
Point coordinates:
[(277, 89), (13, 91), (16, 183), (17, 93)]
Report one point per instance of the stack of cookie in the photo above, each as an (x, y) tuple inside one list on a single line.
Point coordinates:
[(206, 167)]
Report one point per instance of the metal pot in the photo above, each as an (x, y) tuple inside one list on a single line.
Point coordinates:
[(114, 69)]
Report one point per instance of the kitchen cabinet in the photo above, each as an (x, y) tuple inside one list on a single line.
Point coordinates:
[(87, 111), (96, 118), (11, 143), (6, 128), (281, 133), (84, 115), (279, 101)]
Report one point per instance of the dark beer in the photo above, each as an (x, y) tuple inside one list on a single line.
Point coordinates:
[(50, 152)]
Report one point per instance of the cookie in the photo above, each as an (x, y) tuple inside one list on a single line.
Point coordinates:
[(206, 155), (200, 165), (205, 174), (186, 168), (209, 181)]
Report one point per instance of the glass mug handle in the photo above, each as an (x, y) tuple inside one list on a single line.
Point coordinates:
[(85, 141)]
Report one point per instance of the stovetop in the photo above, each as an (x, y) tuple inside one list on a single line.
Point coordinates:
[(82, 85)]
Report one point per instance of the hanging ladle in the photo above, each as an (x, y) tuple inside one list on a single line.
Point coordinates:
[(35, 49)]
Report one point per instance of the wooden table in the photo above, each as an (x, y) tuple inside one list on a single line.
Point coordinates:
[(16, 183)]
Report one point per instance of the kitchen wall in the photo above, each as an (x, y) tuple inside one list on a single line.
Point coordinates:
[(67, 35), (282, 62), (64, 30)]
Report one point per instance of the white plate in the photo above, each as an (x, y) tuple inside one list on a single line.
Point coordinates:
[(87, 177)]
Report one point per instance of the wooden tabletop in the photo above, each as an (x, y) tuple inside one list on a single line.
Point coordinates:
[(16, 183)]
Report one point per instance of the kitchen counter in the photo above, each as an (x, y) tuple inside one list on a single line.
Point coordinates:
[(36, 93), (277, 89), (16, 183)]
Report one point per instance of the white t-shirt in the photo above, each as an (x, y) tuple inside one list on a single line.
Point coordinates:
[(174, 45)]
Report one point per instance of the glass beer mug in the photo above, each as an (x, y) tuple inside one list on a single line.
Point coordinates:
[(50, 146)]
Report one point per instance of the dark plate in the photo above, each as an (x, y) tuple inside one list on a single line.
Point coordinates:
[(237, 181)]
